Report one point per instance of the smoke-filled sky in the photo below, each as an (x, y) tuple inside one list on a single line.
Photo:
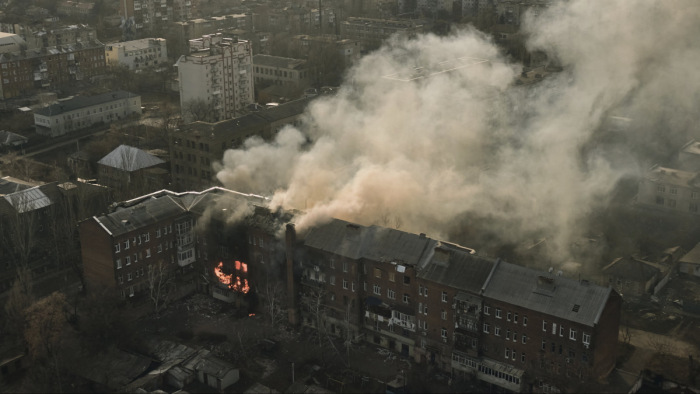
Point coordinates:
[(426, 154)]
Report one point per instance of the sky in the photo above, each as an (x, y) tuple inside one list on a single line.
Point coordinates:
[(469, 150)]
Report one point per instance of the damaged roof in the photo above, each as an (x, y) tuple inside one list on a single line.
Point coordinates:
[(373, 243), (129, 159), (578, 301), (456, 267), (632, 269)]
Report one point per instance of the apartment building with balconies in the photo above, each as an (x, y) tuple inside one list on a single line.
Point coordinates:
[(216, 78), (137, 55)]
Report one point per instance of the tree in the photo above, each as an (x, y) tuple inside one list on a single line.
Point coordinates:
[(45, 322), (160, 285), (196, 110), (274, 293), (19, 298), (20, 228)]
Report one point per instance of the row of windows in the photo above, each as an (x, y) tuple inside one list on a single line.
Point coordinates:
[(378, 273), (671, 203), (510, 316), (586, 339), (145, 237)]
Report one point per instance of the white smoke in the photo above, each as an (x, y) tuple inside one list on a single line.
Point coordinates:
[(423, 154)]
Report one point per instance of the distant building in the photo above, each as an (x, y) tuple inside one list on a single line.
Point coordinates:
[(690, 263), (49, 68), (131, 171), (75, 8), (150, 14), (84, 111), (60, 36), (10, 42), (349, 50), (633, 277), (137, 54), (373, 32), (670, 190), (276, 70), (216, 78), (195, 147)]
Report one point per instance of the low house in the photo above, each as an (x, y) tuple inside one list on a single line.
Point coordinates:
[(132, 170), (216, 373), (633, 277), (690, 263)]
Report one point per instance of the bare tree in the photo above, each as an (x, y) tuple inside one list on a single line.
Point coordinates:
[(20, 297), (197, 110), (274, 294), (46, 320), (160, 285), (20, 227)]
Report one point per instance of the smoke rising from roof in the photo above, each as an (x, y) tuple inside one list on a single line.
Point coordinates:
[(426, 154)]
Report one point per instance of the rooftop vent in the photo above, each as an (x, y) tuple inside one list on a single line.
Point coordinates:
[(576, 307)]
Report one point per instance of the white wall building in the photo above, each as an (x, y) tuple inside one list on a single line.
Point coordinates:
[(137, 54), (217, 76), (84, 111), (10, 42)]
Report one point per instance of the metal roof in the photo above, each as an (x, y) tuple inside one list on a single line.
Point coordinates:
[(127, 158), (28, 199), (544, 293), (82, 102), (373, 243), (632, 269), (278, 61), (693, 256), (456, 267)]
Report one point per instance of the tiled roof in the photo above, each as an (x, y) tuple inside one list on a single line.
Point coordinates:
[(127, 158)]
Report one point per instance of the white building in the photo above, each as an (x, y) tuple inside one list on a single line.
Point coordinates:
[(137, 54), (84, 111), (216, 78), (10, 42), (284, 71), (669, 189)]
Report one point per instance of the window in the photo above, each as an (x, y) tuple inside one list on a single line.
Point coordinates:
[(525, 321), (443, 332), (515, 336), (443, 314), (515, 318), (392, 277), (345, 284), (332, 280), (129, 277), (498, 313), (126, 244), (377, 273), (331, 263), (117, 248), (127, 260), (406, 280), (160, 248), (147, 236), (119, 263), (572, 334), (508, 334), (660, 200), (487, 328), (524, 339), (354, 286), (661, 189), (586, 339), (148, 252), (507, 352), (671, 203), (674, 190), (544, 345), (425, 309), (561, 331), (487, 310), (121, 279), (544, 325), (345, 264), (420, 289), (497, 331), (425, 291), (391, 294), (406, 298), (522, 357), (509, 316), (377, 290), (554, 328), (364, 286), (444, 296)]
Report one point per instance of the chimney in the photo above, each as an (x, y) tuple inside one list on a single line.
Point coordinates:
[(290, 240)]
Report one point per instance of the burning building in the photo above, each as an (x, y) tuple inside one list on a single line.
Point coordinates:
[(231, 286)]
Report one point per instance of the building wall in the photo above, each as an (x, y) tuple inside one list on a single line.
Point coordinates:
[(669, 196), (220, 77), (435, 312), (137, 54), (605, 337), (689, 268), (55, 125), (98, 259)]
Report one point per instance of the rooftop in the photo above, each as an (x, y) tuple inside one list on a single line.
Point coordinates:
[(129, 159), (456, 267), (693, 256), (80, 102), (578, 301), (632, 269), (277, 61), (143, 43), (673, 177)]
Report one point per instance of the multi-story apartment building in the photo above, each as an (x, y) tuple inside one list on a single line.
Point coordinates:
[(216, 81), (372, 32), (195, 147), (190, 233), (276, 70), (513, 327), (150, 14), (137, 54), (49, 68), (10, 42), (84, 111), (132, 172), (670, 190), (306, 45), (61, 36), (183, 32), (75, 8)]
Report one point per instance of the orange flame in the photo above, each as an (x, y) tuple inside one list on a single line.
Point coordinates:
[(238, 285), (223, 278), (251, 314)]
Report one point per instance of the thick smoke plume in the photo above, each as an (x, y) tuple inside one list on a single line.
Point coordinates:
[(429, 154)]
